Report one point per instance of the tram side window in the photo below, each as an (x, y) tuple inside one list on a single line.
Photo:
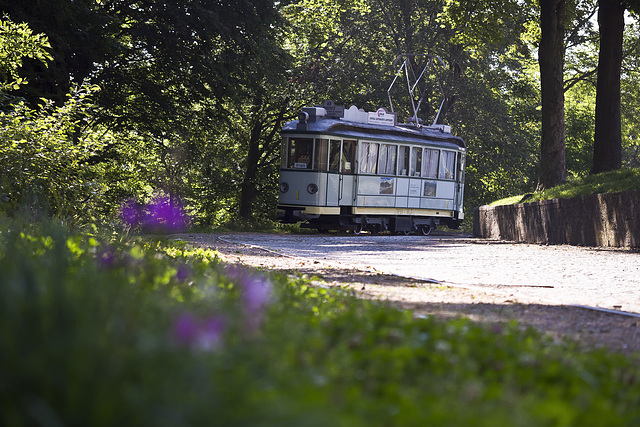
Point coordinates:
[(403, 160), (300, 153), (368, 157), (387, 163), (447, 166), (430, 163), (321, 154), (334, 155), (348, 156), (460, 166), (416, 161)]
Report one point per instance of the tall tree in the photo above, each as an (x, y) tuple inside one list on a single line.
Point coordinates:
[(551, 59), (607, 144), (552, 169)]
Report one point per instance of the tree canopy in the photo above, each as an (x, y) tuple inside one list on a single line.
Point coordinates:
[(118, 99)]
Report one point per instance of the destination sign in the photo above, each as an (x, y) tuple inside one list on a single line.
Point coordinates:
[(382, 117)]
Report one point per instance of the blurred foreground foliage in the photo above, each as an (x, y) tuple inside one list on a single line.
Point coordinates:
[(105, 330)]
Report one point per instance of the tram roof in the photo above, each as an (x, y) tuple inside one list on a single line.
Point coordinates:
[(397, 133)]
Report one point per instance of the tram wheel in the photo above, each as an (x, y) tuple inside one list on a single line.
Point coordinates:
[(358, 229), (426, 229)]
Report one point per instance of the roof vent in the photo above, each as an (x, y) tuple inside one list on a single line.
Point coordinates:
[(313, 114)]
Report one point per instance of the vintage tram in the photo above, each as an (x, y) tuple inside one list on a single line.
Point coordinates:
[(354, 170), (361, 171)]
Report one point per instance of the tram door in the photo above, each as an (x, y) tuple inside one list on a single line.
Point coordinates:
[(340, 179)]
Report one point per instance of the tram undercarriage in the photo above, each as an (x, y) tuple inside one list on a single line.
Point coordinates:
[(399, 224)]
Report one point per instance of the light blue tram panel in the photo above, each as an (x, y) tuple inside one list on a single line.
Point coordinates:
[(349, 169)]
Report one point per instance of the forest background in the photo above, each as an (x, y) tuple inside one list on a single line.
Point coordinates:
[(111, 102)]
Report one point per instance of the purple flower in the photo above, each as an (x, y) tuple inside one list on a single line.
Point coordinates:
[(256, 294), (106, 257), (162, 214), (131, 213), (166, 214), (183, 273), (210, 336), (198, 334), (185, 329)]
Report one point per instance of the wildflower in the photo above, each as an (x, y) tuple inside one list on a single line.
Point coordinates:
[(107, 257), (162, 214), (198, 334), (183, 273), (165, 213), (130, 213), (256, 295)]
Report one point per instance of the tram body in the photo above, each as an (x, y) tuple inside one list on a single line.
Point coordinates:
[(361, 171)]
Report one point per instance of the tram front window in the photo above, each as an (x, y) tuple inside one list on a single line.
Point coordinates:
[(320, 158), (300, 153)]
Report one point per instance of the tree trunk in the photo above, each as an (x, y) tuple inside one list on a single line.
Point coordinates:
[(248, 191), (551, 59), (607, 144)]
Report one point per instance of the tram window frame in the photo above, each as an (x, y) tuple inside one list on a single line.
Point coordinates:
[(430, 162), (369, 154), (387, 159), (296, 160), (321, 154), (283, 153), (448, 165), (404, 153), (416, 162), (459, 165)]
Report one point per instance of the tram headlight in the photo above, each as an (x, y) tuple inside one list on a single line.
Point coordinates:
[(312, 188), (284, 187)]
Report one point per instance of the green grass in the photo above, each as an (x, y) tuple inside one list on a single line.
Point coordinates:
[(108, 331), (608, 182)]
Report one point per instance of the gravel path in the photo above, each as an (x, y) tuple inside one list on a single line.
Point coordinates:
[(567, 275)]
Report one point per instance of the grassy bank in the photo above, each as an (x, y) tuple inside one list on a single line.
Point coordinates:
[(608, 182), (115, 331)]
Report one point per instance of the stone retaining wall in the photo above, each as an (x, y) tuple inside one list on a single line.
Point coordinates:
[(596, 220)]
